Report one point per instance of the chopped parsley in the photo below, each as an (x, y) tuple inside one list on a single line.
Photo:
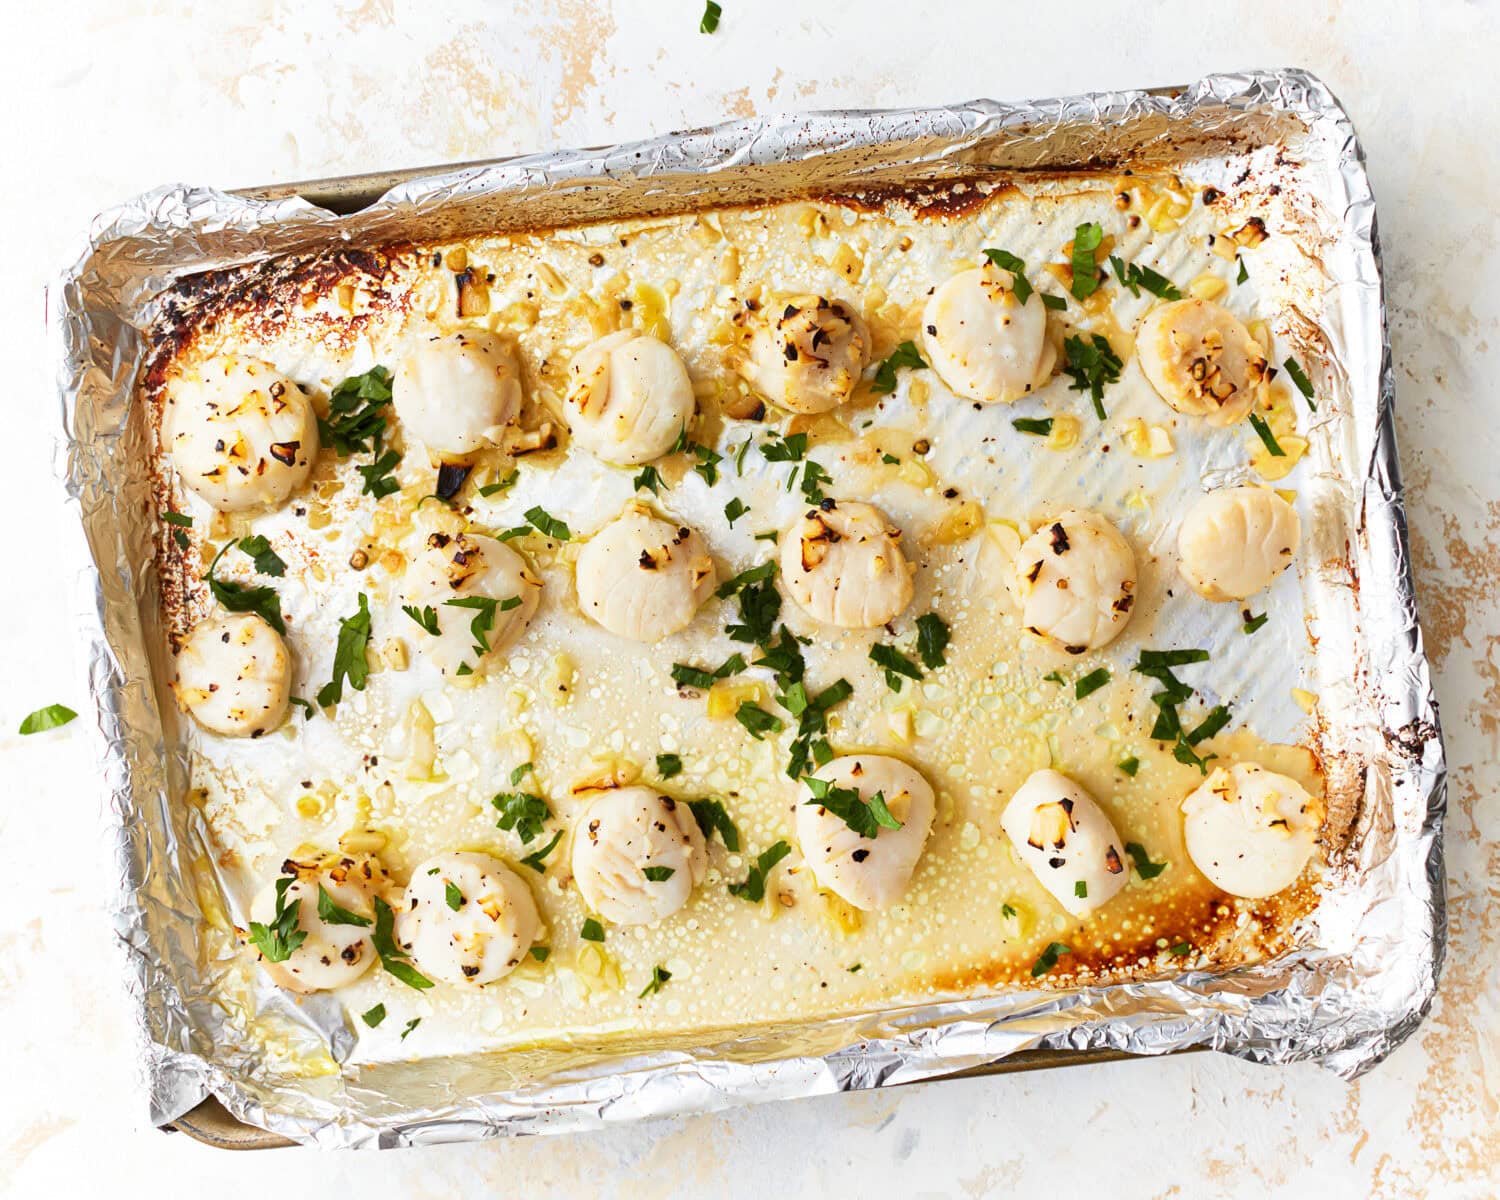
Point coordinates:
[(1017, 268), (426, 617), (1090, 683), (1217, 718), (649, 477), (736, 584), (1091, 366), (734, 510), (379, 482), (483, 624), (520, 773), (1053, 677), (1130, 765), (1135, 277), (895, 664), (712, 817), (1244, 274), (1041, 426), (266, 560), (711, 14), (658, 874), (1252, 623), (933, 636), (1263, 431), (546, 523), (1158, 664), (54, 716), (523, 812), (355, 423), (392, 957), (540, 953), (241, 597), (866, 817), (659, 976), (812, 726), (537, 859), (760, 605), (904, 356), (1081, 889), (1008, 912), (349, 655), (890, 459), (452, 896), (281, 937), (410, 1025), (182, 521), (757, 720), (1299, 377), (686, 676), (1181, 950), (813, 479), (739, 456), (1144, 867), (330, 912), (592, 931), (708, 463), (1086, 239), (668, 765), (792, 448), (753, 888), (372, 1017), (1047, 959), (501, 485), (1056, 303)]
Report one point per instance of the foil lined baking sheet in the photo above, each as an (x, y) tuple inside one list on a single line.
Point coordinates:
[(1362, 975)]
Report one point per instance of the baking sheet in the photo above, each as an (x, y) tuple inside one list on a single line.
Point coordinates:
[(1349, 994)]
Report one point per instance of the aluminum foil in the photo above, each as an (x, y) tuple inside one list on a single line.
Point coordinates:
[(1356, 986)]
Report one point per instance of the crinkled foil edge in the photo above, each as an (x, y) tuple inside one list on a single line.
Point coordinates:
[(1345, 1006)]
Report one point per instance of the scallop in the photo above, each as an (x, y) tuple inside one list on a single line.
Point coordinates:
[(241, 434), (644, 577), (1250, 830), (467, 918), (869, 873), (458, 393), (334, 952), (1234, 542), (1075, 581), (481, 594), (806, 353), (629, 398), (234, 675), (842, 564), (637, 855), (1202, 361), (984, 343), (1062, 835)]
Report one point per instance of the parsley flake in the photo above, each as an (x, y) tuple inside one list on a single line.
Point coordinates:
[(278, 940), (426, 617), (895, 664), (933, 636), (241, 597), (372, 1017), (452, 896), (866, 817), (905, 356), (521, 812), (668, 765), (1090, 683), (54, 716), (330, 912), (394, 959), (592, 931), (349, 655), (538, 858), (1086, 239), (734, 510), (1041, 426), (650, 478), (1047, 959), (757, 721), (658, 874), (1252, 623), (711, 14), (1091, 366), (712, 817), (1017, 268), (266, 560), (753, 887), (659, 976), (1263, 431), (1144, 867)]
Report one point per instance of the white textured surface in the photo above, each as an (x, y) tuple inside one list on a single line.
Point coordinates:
[(102, 99)]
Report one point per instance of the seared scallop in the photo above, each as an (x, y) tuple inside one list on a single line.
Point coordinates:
[(806, 353), (1236, 541), (642, 576), (478, 593), (336, 949), (234, 675), (869, 873), (629, 398), (1202, 361), (241, 434), (457, 394), (1062, 835), (1075, 581), (842, 564), (637, 855), (467, 918), (1249, 830), (983, 342)]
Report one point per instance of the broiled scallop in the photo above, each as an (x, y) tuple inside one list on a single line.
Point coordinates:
[(1202, 361), (806, 353), (234, 675), (468, 918), (629, 398), (1249, 830), (642, 576), (842, 563), (481, 595), (983, 342), (1236, 541), (1062, 835), (869, 873), (456, 394), (637, 855), (241, 434), (334, 952), (1075, 581)]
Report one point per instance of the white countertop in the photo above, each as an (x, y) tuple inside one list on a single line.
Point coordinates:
[(103, 98)]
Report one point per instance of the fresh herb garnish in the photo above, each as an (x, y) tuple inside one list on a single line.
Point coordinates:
[(1091, 366), (540, 953), (537, 859), (1135, 277), (757, 720), (1130, 765), (792, 448), (1041, 426), (372, 1017), (592, 931), (813, 479), (1090, 683), (354, 422), (739, 456), (523, 812), (933, 636), (305, 705), (278, 940), (54, 716), (711, 817), (1056, 303), (330, 911), (520, 773), (759, 603), (1299, 377), (1017, 268), (895, 664), (1081, 889), (1158, 664), (658, 874), (866, 817), (183, 521), (546, 523), (501, 485), (1086, 239), (711, 14), (483, 624), (1217, 718), (379, 481), (659, 976), (241, 597), (1252, 623), (426, 617), (410, 1025), (890, 459), (734, 510), (1144, 867), (452, 896), (392, 957), (1263, 431), (753, 888), (708, 463), (744, 579), (1181, 950), (687, 676), (349, 655), (1244, 274), (811, 744), (649, 477), (904, 356), (668, 765), (1053, 677), (1047, 959), (258, 548)]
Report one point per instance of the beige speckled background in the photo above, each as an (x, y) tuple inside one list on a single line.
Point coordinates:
[(102, 98)]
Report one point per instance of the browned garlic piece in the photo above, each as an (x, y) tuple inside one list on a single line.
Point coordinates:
[(1075, 581), (842, 564), (467, 918), (1202, 361), (623, 834), (1249, 830), (241, 434), (332, 954), (473, 570), (983, 343), (234, 675), (1236, 541), (1061, 834), (458, 393), (869, 873), (629, 398), (642, 576), (806, 353)]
